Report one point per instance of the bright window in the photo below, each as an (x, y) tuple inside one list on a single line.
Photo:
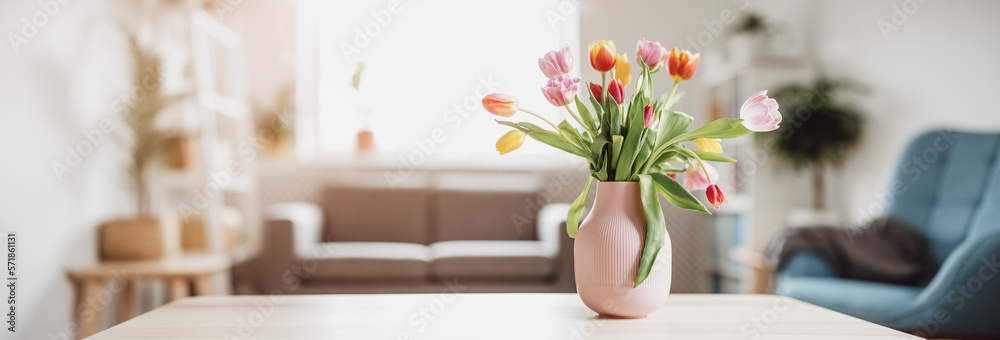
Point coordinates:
[(428, 64)]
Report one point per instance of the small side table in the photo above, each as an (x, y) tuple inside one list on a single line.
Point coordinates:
[(761, 276), (180, 272)]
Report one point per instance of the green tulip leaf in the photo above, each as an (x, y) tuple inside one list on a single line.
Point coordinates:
[(576, 209), (655, 227), (676, 194), (721, 128), (674, 124), (554, 140), (585, 115), (711, 157)]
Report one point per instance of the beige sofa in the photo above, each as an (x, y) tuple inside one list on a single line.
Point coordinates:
[(379, 240)]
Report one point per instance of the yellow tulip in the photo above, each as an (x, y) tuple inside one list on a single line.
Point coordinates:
[(708, 144), (623, 70), (510, 141)]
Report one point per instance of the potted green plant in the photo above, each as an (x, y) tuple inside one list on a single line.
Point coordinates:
[(819, 133), (635, 146), (752, 36), (142, 236)]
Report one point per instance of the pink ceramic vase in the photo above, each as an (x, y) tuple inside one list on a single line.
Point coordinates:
[(607, 251)]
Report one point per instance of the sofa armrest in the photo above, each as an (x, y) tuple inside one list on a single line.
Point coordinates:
[(297, 225), (552, 233), (550, 225), (291, 232)]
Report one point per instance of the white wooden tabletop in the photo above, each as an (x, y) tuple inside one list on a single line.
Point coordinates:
[(488, 316)]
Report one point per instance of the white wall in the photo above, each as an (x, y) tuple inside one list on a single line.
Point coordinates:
[(938, 70), (60, 83)]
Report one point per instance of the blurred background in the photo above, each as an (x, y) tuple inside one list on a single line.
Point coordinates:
[(174, 133)]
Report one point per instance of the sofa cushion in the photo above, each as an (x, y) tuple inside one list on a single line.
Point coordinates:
[(492, 259), (485, 215), (375, 215), (369, 260)]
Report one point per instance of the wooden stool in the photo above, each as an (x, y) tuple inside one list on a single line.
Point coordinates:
[(93, 291)]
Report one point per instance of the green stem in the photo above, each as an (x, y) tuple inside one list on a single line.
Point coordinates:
[(700, 163), (540, 117), (578, 120), (673, 90)]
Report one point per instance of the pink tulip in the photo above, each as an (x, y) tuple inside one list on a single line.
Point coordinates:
[(561, 89), (556, 62), (760, 113), (694, 177), (647, 119), (650, 52)]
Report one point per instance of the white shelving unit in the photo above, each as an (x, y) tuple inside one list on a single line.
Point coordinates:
[(218, 114), (741, 225)]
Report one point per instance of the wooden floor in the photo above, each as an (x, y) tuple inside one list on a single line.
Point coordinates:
[(488, 316)]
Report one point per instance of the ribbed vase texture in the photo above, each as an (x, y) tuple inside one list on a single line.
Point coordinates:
[(607, 251)]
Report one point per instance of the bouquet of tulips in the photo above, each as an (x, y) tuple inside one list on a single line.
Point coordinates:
[(638, 138)]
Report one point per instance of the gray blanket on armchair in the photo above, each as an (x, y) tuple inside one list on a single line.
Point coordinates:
[(885, 251)]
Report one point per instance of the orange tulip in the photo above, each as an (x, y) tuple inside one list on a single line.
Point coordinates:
[(503, 105), (602, 55), (682, 64), (510, 141)]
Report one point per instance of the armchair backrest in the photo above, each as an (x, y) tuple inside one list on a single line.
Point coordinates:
[(947, 187)]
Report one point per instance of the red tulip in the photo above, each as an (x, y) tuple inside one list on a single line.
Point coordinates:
[(596, 91), (647, 119), (715, 196), (616, 90), (682, 64), (503, 105)]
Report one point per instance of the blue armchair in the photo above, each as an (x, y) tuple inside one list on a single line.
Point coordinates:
[(947, 188)]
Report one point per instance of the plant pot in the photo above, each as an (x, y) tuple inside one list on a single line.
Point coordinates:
[(607, 251), (131, 239)]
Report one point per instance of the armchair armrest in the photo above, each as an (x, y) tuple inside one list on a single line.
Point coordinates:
[(961, 298), (806, 263)]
